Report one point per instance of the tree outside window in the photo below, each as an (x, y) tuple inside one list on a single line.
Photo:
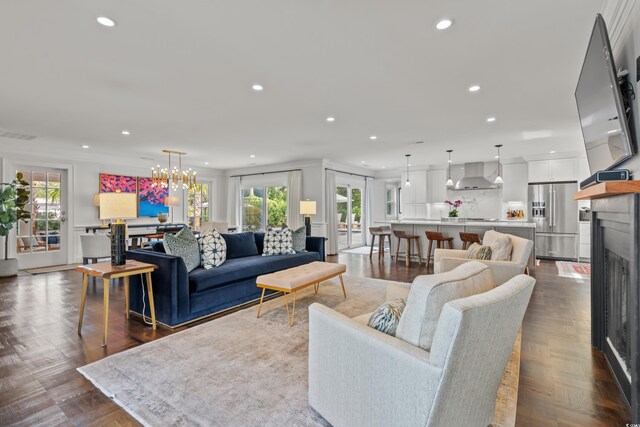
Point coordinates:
[(263, 208), (198, 205)]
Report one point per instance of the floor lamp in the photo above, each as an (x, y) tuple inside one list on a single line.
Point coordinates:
[(307, 208), (118, 207)]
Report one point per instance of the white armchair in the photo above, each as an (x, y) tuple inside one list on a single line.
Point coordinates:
[(95, 247), (359, 376), (448, 259)]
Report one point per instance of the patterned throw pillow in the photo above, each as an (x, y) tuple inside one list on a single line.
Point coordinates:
[(213, 249), (185, 245), (278, 242), (299, 239), (386, 317), (476, 251)]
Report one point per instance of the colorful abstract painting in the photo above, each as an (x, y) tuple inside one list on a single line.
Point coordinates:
[(114, 183), (151, 199)]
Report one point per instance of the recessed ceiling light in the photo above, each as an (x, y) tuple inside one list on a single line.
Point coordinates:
[(474, 88), (362, 161), (253, 156), (384, 167), (409, 165), (496, 157), (103, 20), (613, 131), (331, 119), (85, 146), (443, 24), (257, 87), (126, 132), (373, 137), (491, 119), (206, 163), (552, 152)]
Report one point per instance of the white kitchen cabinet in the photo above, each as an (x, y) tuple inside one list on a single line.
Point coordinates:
[(417, 191), (585, 240), (515, 187), (436, 186), (553, 170)]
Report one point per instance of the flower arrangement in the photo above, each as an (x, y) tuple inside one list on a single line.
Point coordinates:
[(453, 207)]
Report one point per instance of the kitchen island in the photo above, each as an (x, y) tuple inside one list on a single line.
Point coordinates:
[(517, 227)]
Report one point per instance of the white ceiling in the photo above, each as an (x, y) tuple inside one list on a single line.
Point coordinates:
[(178, 74)]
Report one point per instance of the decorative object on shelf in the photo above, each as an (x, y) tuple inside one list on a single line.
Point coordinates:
[(117, 183), (408, 183), (13, 199), (171, 202), (118, 207), (163, 217), (449, 180), (163, 177), (515, 214), (498, 179), (453, 207), (151, 198), (307, 208)]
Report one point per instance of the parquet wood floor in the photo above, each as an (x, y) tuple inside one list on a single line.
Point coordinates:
[(562, 381)]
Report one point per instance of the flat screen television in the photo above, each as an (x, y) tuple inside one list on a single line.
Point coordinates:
[(600, 107)]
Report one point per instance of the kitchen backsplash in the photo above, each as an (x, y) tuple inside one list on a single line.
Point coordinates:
[(475, 204)]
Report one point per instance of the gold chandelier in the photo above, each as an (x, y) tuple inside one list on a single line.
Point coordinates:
[(163, 177)]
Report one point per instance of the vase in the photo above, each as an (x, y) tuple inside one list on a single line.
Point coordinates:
[(8, 267), (118, 244), (162, 217)]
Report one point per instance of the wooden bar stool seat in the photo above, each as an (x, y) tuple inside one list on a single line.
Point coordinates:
[(468, 239), (382, 234), (410, 238), (440, 239)]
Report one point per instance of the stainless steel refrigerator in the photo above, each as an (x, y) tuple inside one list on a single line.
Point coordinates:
[(556, 216)]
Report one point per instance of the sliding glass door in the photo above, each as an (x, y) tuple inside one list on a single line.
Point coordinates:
[(349, 216)]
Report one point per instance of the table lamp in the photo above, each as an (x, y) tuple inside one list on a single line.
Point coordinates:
[(307, 208), (118, 207), (171, 201)]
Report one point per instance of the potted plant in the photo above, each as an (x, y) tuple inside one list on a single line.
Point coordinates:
[(13, 198), (453, 207)]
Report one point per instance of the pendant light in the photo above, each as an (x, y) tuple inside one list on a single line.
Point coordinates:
[(449, 181), (408, 183), (498, 179)]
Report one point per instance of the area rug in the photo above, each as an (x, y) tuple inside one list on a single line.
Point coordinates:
[(239, 370), (575, 270), (51, 269)]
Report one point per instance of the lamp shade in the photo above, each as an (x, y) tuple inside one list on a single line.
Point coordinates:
[(118, 205), (96, 199), (172, 201), (308, 207)]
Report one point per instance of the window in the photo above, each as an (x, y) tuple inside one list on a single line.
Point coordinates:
[(390, 200), (263, 207), (198, 205)]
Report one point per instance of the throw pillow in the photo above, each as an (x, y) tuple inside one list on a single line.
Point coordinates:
[(240, 245), (213, 249), (386, 317), (299, 236), (476, 251), (185, 245), (500, 244), (278, 242)]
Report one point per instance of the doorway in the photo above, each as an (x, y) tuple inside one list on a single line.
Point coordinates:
[(349, 216), (42, 241)]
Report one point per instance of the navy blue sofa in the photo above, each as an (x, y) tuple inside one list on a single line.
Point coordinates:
[(180, 297)]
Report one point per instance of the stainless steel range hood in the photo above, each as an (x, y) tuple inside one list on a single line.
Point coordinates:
[(474, 178)]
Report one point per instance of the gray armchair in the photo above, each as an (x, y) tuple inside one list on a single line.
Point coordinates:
[(359, 376)]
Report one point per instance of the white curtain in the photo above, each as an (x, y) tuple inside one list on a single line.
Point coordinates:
[(369, 190), (330, 213), (234, 202), (294, 195)]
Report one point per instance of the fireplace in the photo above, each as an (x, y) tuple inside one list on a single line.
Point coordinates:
[(615, 308)]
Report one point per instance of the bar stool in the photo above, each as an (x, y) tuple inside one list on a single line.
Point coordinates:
[(468, 239), (440, 239), (409, 238), (382, 234)]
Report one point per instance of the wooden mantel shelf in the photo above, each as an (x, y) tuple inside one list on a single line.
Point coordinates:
[(607, 189)]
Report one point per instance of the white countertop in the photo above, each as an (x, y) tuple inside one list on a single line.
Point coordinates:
[(522, 223)]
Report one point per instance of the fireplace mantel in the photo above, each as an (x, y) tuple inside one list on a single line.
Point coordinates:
[(607, 189)]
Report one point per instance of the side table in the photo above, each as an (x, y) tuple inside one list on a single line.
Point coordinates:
[(106, 272)]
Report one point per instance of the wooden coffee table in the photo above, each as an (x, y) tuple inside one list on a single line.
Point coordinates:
[(294, 279), (106, 272)]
